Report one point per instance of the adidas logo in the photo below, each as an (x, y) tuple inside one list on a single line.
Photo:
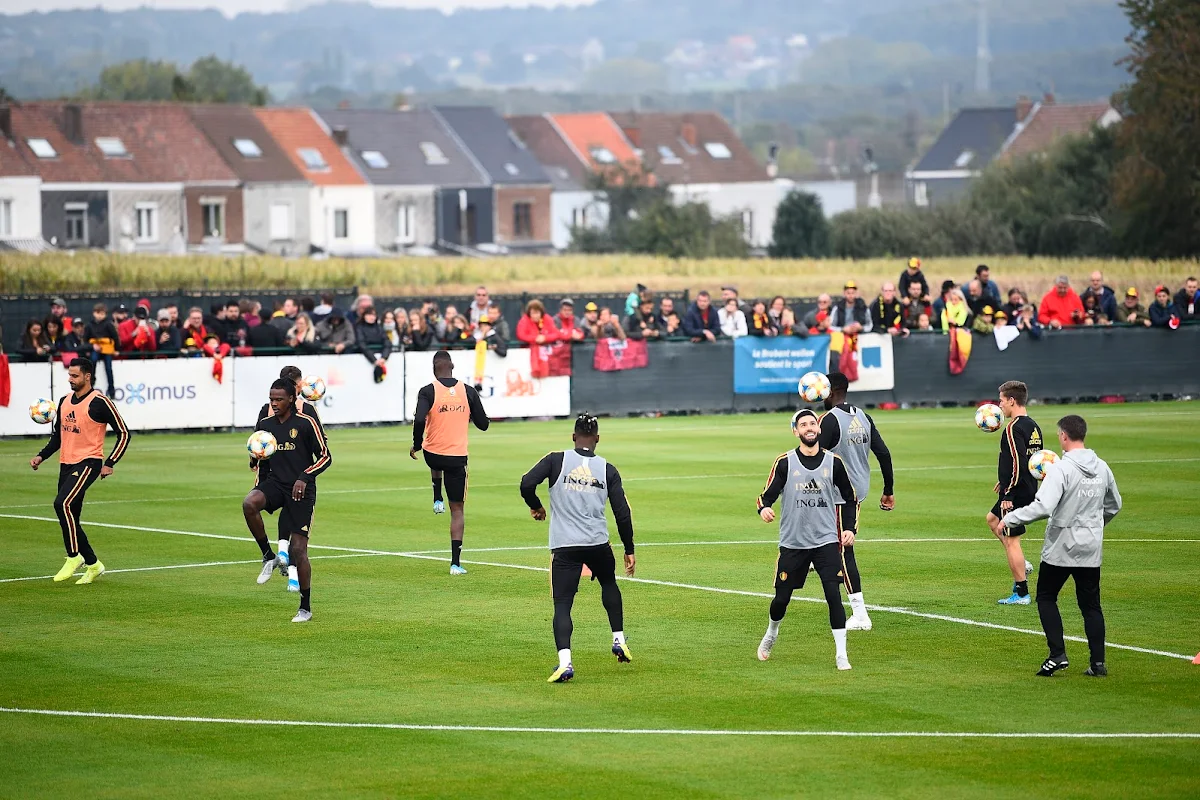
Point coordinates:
[(812, 487), (856, 426), (582, 478)]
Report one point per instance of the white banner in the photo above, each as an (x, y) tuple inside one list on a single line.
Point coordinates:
[(876, 371), (29, 382), (508, 389), (165, 393), (351, 394)]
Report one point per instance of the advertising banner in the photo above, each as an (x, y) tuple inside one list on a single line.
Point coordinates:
[(29, 382), (774, 365), (509, 391), (876, 370), (618, 354), (351, 394)]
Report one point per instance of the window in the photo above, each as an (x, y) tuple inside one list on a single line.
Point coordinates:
[(374, 159), (312, 158), (406, 224), (718, 150), (147, 222), (6, 217), (522, 221), (579, 218), (433, 154), (964, 158), (76, 218), (42, 148), (212, 212), (667, 155), (248, 148), (111, 146), (341, 224), (921, 194), (281, 222), (511, 169), (602, 155), (748, 225)]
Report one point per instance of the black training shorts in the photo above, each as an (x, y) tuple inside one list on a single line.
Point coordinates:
[(454, 474), (295, 516), (1018, 502), (792, 567), (567, 563)]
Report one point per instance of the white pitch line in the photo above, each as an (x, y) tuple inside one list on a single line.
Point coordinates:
[(711, 589), (182, 566), (408, 726)]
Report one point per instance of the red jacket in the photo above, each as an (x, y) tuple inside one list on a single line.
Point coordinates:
[(1067, 310), (133, 337), (528, 331)]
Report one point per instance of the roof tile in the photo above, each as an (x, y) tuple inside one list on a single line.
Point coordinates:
[(299, 128), (674, 146)]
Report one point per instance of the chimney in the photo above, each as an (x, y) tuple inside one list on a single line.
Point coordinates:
[(634, 135), (343, 104), (1024, 106), (341, 136), (688, 134), (6, 129), (73, 123), (1048, 99)]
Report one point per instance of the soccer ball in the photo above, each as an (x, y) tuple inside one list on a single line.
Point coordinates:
[(313, 388), (989, 418), (41, 411), (814, 386), (1039, 462), (261, 444)]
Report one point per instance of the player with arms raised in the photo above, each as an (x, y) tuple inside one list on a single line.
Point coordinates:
[(579, 534), (817, 520), (78, 437), (445, 410), (1016, 487), (282, 561), (287, 482), (849, 433)]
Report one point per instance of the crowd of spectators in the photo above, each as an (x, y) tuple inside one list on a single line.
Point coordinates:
[(317, 325)]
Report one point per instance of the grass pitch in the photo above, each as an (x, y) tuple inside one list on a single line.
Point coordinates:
[(396, 641)]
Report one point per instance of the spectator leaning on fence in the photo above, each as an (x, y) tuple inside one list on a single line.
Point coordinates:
[(702, 323), (591, 318), (303, 336), (761, 322), (372, 340), (285, 318), (817, 320), (336, 333), (419, 331), (1131, 311), (138, 333), (1026, 321), (666, 310), (1163, 313), (499, 323), (535, 328), (166, 335), (887, 312), (851, 315), (102, 335), (984, 321), (1016, 301), (1061, 307), (479, 305), (491, 339), (733, 320), (74, 342), (1187, 300), (53, 329), (565, 320), (915, 308), (956, 311), (939, 305), (1092, 315), (608, 326), (644, 323), (34, 344), (1106, 298), (912, 274), (977, 297)]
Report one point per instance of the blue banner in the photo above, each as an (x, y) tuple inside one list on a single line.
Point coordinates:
[(774, 366)]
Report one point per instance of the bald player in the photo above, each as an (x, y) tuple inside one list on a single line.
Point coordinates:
[(78, 436), (446, 408)]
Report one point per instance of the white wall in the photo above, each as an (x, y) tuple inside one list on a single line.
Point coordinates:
[(562, 213), (835, 196), (26, 197), (360, 202), (761, 199)]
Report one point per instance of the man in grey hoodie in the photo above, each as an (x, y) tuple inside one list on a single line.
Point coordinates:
[(1079, 497)]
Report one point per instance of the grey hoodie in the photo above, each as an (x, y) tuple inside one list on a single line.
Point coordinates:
[(1079, 496)]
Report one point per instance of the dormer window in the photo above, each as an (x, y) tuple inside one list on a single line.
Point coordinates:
[(248, 148), (111, 147)]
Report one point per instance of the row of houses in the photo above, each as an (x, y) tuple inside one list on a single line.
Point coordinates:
[(159, 177)]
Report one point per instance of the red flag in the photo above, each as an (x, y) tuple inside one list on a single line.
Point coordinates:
[(960, 349), (558, 359), (618, 354), (848, 361), (5, 381)]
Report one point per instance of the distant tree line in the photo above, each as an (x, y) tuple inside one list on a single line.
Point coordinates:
[(208, 80)]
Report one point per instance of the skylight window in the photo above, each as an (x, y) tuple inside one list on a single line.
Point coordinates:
[(667, 155), (433, 154), (964, 158), (248, 148), (42, 148), (602, 155), (111, 146), (374, 159), (718, 150), (312, 158), (511, 169)]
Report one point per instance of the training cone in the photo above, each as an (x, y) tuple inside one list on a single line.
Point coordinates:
[(1196, 660)]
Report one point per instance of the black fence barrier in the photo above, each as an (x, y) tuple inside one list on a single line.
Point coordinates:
[(1080, 364)]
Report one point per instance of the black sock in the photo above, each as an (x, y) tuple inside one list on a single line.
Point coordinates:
[(455, 551), (268, 553), (1022, 588), (304, 606), (437, 491)]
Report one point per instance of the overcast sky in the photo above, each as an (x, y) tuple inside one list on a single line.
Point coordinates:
[(231, 7)]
